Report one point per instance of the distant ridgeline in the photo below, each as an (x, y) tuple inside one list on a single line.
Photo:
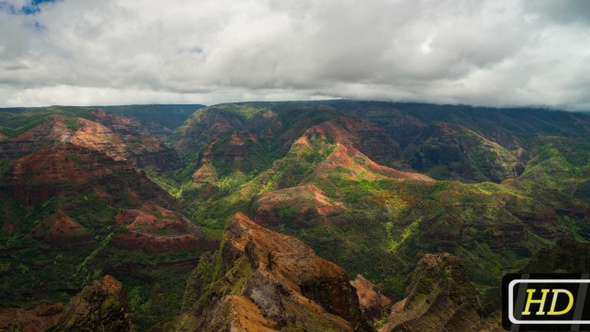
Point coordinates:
[(400, 193)]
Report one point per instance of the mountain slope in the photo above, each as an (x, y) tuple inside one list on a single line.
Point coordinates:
[(374, 187), (378, 218)]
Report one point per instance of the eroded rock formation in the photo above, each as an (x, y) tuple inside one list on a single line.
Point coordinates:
[(260, 280)]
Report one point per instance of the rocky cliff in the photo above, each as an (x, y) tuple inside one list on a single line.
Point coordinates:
[(374, 304), (260, 280)]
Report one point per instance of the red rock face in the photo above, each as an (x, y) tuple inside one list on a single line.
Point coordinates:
[(58, 170), (361, 167), (234, 149), (204, 175), (30, 320), (347, 135), (363, 136), (139, 149)]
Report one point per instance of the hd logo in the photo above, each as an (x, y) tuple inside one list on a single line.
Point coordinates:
[(546, 302)]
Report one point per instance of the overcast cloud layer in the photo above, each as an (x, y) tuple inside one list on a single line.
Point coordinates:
[(498, 53)]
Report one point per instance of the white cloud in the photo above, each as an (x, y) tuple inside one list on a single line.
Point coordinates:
[(208, 51)]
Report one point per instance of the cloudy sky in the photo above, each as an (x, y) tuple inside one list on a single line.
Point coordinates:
[(498, 53)]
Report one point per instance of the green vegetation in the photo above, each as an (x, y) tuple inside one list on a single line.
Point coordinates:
[(510, 183)]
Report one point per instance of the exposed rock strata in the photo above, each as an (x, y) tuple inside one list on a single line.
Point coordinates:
[(116, 136), (268, 282), (69, 170)]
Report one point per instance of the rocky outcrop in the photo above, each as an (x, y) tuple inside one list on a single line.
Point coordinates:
[(231, 147), (140, 148), (358, 135), (345, 139), (374, 304), (260, 280), (52, 171), (439, 298), (100, 307)]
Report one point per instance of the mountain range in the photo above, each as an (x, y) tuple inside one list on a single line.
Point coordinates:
[(254, 216)]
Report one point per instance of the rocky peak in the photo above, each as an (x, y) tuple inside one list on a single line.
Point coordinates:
[(278, 277), (373, 303), (100, 307)]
